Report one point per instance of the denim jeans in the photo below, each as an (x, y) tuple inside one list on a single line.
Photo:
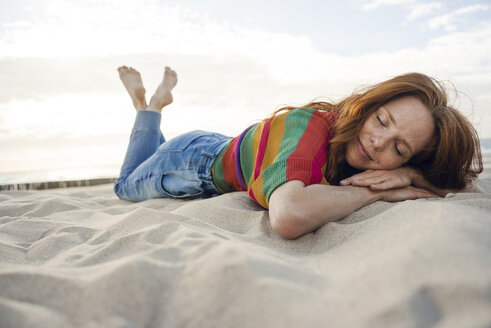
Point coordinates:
[(178, 168)]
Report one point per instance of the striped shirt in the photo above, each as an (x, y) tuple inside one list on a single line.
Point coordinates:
[(291, 146)]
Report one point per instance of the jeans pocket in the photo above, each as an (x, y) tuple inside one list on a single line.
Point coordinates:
[(181, 184)]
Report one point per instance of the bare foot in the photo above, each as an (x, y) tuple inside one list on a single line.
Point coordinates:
[(163, 96), (133, 83)]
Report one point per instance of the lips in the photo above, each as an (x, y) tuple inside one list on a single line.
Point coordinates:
[(363, 151)]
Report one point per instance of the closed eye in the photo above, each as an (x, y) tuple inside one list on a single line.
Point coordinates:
[(396, 147), (380, 121)]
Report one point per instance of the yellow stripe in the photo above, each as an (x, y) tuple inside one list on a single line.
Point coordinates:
[(276, 132), (257, 188), (324, 180)]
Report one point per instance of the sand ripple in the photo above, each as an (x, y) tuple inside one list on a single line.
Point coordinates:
[(81, 257)]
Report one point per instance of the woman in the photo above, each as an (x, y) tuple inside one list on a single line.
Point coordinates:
[(395, 141)]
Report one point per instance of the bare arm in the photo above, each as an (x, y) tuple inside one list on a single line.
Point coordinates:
[(296, 209)]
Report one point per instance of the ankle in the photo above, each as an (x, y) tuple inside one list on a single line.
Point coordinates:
[(153, 109)]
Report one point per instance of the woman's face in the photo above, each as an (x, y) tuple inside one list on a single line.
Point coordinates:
[(391, 135)]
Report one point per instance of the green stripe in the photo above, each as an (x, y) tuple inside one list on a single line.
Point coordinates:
[(296, 122)]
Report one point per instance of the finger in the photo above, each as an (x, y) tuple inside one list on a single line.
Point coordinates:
[(408, 193), (385, 185), (374, 180), (348, 180), (428, 194), (345, 182), (390, 183), (423, 193), (376, 174), (367, 174), (365, 178)]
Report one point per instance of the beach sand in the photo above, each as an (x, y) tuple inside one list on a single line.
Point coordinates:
[(81, 257)]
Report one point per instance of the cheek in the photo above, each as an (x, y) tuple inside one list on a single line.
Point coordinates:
[(389, 161), (349, 152), (369, 126), (350, 155)]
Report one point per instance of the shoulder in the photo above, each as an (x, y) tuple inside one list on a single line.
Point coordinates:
[(299, 115)]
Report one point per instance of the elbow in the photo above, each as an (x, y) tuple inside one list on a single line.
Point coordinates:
[(287, 222), (288, 212), (286, 230)]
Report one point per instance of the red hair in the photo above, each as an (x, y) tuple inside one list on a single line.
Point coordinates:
[(450, 160)]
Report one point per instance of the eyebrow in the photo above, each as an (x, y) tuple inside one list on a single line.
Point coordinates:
[(391, 118)]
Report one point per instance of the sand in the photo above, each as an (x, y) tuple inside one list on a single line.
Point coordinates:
[(80, 257)]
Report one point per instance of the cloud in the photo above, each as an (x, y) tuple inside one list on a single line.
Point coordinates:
[(449, 21), (231, 89), (423, 9), (374, 4), (73, 29), (470, 9), (445, 21), (17, 24), (228, 74)]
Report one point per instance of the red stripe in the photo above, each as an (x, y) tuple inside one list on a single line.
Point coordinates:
[(310, 146), (228, 162), (319, 160), (263, 143)]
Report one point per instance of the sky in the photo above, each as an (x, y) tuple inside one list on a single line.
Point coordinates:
[(64, 110)]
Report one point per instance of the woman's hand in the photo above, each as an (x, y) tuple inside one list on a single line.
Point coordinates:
[(378, 180), (383, 179), (398, 184), (406, 193)]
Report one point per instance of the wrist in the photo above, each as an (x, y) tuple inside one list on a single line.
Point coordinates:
[(371, 196), (413, 174)]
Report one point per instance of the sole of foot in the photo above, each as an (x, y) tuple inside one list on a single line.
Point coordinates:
[(133, 83), (163, 95)]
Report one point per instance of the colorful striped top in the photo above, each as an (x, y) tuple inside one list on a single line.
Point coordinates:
[(291, 146)]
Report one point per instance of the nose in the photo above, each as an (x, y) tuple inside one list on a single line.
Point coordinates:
[(379, 142)]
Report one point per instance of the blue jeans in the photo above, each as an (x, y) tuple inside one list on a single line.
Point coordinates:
[(178, 168)]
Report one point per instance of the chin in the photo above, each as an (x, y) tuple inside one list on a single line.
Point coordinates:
[(354, 163), (358, 166), (352, 159)]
